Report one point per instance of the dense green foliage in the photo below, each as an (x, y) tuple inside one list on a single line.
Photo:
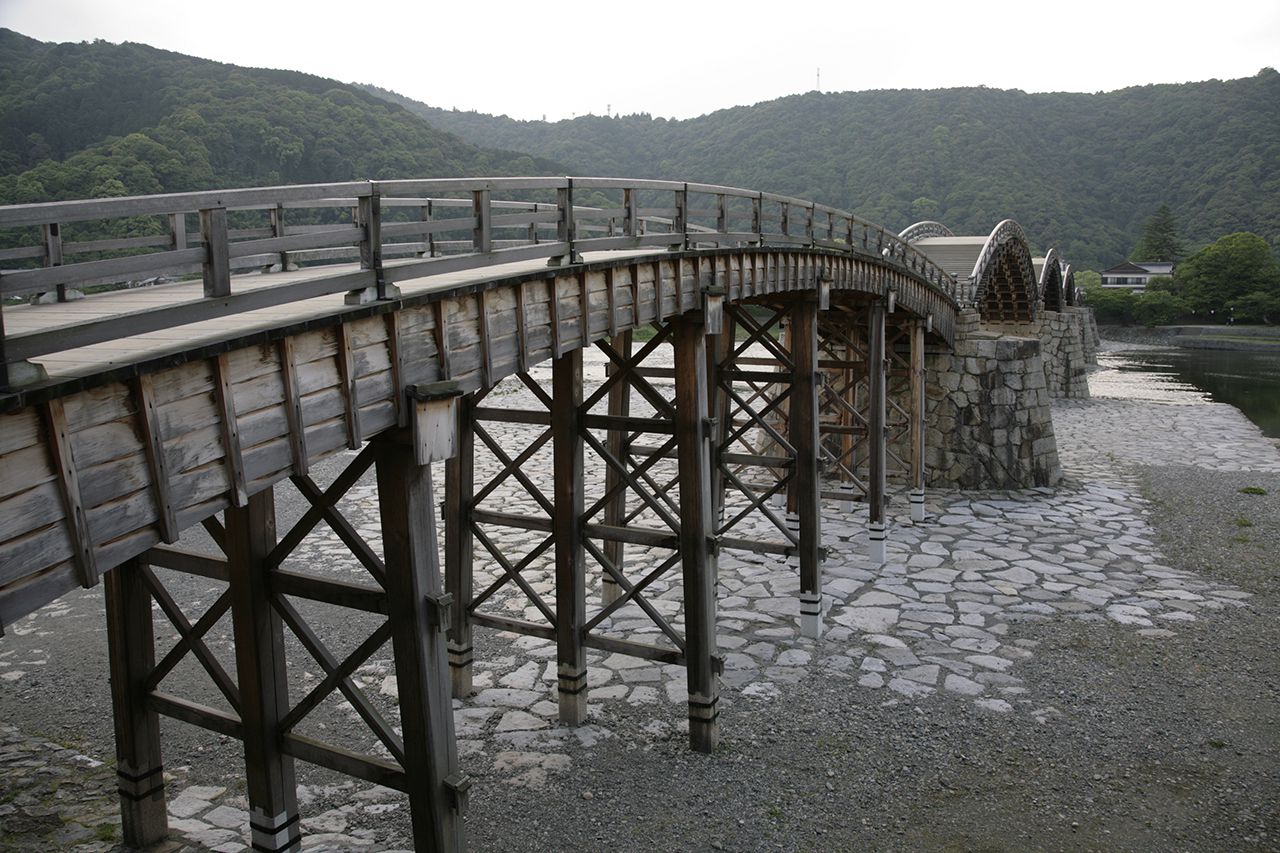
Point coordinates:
[(1235, 279), (1080, 172), (99, 119), (1237, 274), (1160, 240)]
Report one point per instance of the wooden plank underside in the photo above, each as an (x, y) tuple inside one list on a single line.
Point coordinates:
[(222, 426)]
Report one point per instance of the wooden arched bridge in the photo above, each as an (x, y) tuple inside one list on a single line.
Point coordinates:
[(281, 326)]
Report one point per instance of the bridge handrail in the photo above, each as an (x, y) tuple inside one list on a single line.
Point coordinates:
[(492, 231)]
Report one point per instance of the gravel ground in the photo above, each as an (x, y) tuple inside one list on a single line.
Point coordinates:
[(1160, 745)]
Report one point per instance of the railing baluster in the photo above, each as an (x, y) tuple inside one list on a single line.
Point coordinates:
[(681, 223), (278, 230)]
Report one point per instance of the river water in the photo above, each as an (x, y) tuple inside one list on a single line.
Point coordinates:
[(1250, 381)]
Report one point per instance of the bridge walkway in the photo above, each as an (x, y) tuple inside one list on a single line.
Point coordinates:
[(192, 405)]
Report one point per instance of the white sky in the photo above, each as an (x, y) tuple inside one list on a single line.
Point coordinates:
[(529, 59)]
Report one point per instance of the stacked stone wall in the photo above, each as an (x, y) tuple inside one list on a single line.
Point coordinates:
[(1064, 350), (988, 419)]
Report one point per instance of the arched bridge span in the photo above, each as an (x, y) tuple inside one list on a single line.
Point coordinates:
[(378, 316)]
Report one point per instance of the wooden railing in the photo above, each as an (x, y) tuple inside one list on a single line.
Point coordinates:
[(398, 230)]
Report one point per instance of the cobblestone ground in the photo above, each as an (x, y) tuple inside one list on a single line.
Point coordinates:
[(928, 626)]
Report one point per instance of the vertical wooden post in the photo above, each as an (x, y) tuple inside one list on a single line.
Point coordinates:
[(217, 262), (848, 443), (263, 681), (571, 596), (876, 417), (482, 231), (917, 415), (459, 488), (719, 349), (417, 610), (615, 511), (139, 766), (278, 230), (803, 435), (697, 557)]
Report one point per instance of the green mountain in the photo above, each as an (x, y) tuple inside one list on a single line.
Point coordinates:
[(100, 119), (1080, 172)]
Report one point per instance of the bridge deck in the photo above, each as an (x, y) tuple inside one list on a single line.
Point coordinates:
[(86, 361)]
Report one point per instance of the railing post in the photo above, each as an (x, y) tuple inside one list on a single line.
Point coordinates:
[(681, 223), (808, 224), (722, 214), (217, 261), (51, 236), (278, 230), (425, 212), (630, 218), (757, 217), (369, 220), (177, 232), (565, 231), (482, 232), (786, 219)]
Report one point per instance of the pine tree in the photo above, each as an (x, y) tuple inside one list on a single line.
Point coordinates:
[(1160, 240)]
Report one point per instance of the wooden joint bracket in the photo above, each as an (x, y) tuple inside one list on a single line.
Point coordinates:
[(438, 608), (713, 308), (435, 420), (458, 784)]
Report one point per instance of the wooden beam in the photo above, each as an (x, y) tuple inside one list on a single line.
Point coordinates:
[(64, 463), (435, 786), (571, 605), (131, 652), (696, 529), (347, 376), (616, 510), (803, 434), (876, 418), (261, 673), (157, 465), (233, 458), (916, 412), (459, 546)]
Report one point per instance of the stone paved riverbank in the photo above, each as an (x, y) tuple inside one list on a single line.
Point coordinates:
[(947, 624)]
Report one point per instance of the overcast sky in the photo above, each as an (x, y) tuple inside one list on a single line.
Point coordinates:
[(680, 59)]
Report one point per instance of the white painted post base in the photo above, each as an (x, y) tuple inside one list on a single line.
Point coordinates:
[(279, 833), (811, 615), (876, 536), (778, 500), (917, 504), (846, 504)]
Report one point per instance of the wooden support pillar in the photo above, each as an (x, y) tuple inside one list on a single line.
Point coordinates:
[(615, 512), (876, 418), (719, 349), (848, 444), (917, 415), (566, 525), (459, 490), (697, 527), (803, 435), (260, 666), (139, 766), (418, 611)]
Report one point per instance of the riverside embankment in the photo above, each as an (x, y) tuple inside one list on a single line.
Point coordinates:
[(1094, 666)]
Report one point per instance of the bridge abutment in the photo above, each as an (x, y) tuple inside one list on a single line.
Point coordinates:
[(988, 412)]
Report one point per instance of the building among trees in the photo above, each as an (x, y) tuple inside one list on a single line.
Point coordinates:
[(1133, 276)]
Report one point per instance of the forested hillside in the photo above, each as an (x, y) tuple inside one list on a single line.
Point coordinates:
[(100, 119), (1082, 172)]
